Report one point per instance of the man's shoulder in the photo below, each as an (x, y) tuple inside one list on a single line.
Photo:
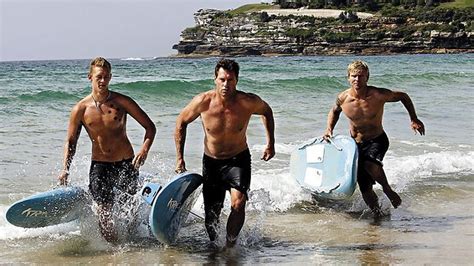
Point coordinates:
[(203, 98), (247, 96), (343, 94), (378, 90), (83, 102)]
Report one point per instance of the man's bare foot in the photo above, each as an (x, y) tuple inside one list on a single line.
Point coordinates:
[(377, 213), (230, 242), (394, 198)]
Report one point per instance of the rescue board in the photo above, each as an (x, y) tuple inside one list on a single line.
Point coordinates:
[(171, 204), (328, 169), (60, 205)]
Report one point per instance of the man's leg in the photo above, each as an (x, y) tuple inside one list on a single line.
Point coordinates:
[(236, 217), (106, 222), (378, 174), (211, 220)]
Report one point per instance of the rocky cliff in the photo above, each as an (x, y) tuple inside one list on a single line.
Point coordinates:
[(217, 33)]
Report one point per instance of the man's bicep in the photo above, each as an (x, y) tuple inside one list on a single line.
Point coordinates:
[(260, 106), (394, 96), (75, 123), (337, 107), (190, 112)]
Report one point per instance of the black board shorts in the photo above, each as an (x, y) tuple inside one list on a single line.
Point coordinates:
[(105, 176), (222, 175), (371, 150)]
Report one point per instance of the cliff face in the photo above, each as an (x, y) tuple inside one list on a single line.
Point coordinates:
[(219, 34)]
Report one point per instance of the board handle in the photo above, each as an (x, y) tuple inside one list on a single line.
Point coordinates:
[(319, 140), (311, 143), (334, 144)]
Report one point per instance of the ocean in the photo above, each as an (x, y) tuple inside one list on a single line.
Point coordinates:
[(434, 174)]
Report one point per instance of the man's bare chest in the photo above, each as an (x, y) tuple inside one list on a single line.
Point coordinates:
[(356, 109), (105, 116), (225, 120)]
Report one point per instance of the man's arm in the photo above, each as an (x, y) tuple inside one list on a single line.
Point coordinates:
[(73, 132), (333, 117), (416, 124), (187, 115), (268, 121), (144, 120)]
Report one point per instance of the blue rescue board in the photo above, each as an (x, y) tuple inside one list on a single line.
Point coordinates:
[(327, 168), (171, 204), (53, 207)]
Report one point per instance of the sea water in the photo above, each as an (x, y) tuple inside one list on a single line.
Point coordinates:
[(433, 173)]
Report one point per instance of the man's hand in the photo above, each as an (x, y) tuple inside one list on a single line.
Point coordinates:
[(139, 159), (417, 125), (63, 178), (328, 134), (268, 153), (180, 167)]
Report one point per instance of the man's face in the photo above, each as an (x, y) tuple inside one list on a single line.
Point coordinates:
[(100, 78), (226, 83), (358, 79)]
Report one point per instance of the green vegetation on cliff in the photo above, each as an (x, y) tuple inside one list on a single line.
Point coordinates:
[(392, 29)]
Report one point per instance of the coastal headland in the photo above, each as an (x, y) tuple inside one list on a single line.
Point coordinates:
[(272, 30)]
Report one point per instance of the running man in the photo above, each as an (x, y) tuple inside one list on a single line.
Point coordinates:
[(225, 113), (103, 114), (363, 105)]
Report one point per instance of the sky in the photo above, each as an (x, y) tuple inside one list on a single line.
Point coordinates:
[(83, 29)]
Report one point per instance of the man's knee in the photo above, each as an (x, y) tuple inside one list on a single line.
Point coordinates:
[(238, 201), (373, 169)]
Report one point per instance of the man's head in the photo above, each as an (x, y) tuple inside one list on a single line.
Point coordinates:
[(358, 66), (358, 74), (228, 65), (100, 73), (226, 77), (100, 62)]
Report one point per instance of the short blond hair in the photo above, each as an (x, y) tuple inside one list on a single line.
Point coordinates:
[(100, 62), (358, 65)]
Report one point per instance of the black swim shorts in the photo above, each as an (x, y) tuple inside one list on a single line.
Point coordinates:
[(222, 175), (371, 150), (105, 176)]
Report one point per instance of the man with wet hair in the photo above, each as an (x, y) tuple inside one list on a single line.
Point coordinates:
[(363, 105), (225, 114), (103, 114)]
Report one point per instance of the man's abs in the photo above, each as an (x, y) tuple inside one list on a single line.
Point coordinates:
[(111, 150), (365, 133), (223, 150)]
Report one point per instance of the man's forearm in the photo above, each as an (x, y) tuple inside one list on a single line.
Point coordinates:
[(269, 124), (407, 102), (180, 139), (333, 117), (149, 138), (69, 151)]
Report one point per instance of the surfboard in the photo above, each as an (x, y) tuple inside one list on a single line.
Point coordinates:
[(171, 204), (52, 207), (328, 169)]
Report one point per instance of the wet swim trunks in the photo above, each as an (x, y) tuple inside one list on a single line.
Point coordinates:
[(371, 150), (105, 176), (374, 150), (222, 175)]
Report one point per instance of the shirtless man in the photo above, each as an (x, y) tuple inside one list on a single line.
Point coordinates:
[(364, 105), (103, 114), (225, 113)]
